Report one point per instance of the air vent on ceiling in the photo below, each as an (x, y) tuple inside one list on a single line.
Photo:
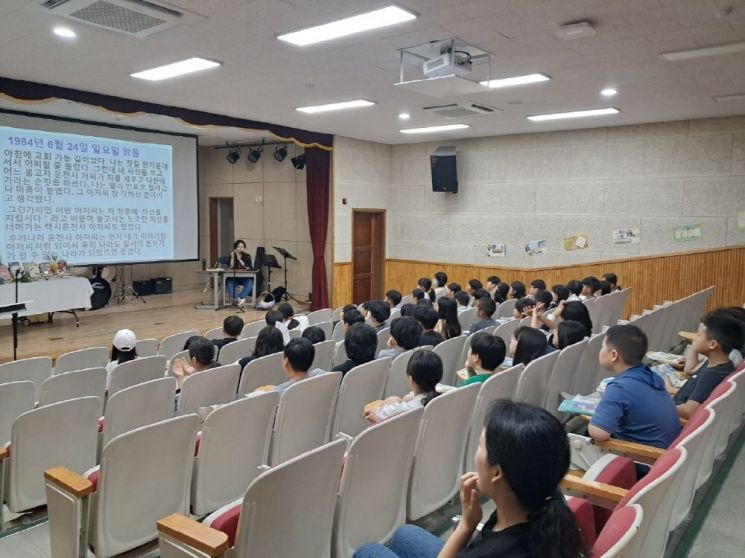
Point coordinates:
[(138, 18), (459, 110)]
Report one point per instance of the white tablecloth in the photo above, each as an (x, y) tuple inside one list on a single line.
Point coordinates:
[(53, 295)]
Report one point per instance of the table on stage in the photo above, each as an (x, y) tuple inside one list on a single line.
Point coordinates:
[(218, 277), (61, 294)]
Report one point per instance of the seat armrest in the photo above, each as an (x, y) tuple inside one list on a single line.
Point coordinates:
[(631, 449), (687, 335), (593, 489), (69, 481), (210, 541), (3, 453)]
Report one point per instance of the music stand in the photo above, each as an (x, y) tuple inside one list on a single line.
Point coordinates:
[(287, 256), (270, 262), (13, 310)]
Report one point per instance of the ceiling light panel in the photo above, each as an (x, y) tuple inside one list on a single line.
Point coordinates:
[(376, 19), (336, 106), (516, 80), (180, 68), (433, 129), (678, 55), (572, 114)]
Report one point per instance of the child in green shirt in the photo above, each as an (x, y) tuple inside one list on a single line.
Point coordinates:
[(486, 354)]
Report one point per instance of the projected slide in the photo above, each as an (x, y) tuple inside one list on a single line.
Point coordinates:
[(84, 199)]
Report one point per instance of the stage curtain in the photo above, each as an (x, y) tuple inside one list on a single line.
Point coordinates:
[(318, 173)]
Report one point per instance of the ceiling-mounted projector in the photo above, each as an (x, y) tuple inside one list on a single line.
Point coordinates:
[(448, 64)]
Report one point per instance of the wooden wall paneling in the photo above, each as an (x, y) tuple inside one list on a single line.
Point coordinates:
[(341, 284)]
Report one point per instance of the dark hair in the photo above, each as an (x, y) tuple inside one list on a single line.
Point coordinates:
[(737, 313), (531, 448), (273, 316), (570, 332), (562, 292), (394, 296), (629, 341), (474, 284), (487, 306), (544, 297), (417, 294), (576, 311), (724, 329), (425, 283), (121, 357), (188, 342), (300, 353), (501, 292), (447, 309), (481, 293), (407, 310), (454, 287), (426, 316), (462, 297), (268, 342), (353, 316), (348, 307), (489, 348), (286, 310), (237, 242), (493, 279), (361, 342), (232, 325), (425, 369), (611, 278), (441, 278), (539, 284), (531, 344), (575, 287), (591, 282), (406, 330), (523, 303), (518, 289), (605, 287), (379, 311), (314, 334), (202, 350)]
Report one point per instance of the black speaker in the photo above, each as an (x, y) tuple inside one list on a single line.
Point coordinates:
[(444, 170)]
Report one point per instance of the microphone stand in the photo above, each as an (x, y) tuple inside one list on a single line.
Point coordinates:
[(234, 285), (14, 318)]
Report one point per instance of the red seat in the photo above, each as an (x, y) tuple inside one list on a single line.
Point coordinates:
[(621, 525), (583, 513), (226, 520)]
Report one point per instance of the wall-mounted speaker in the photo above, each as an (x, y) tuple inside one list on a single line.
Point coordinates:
[(444, 169)]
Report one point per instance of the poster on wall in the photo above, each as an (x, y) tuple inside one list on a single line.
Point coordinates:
[(578, 242), (686, 233), (535, 247), (496, 250), (626, 236), (741, 219)]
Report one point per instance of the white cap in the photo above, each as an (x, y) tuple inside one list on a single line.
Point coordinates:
[(125, 340)]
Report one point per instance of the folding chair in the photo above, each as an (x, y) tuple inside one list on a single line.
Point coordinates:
[(93, 357)]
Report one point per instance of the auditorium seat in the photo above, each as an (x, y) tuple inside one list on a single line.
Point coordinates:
[(396, 383), (327, 327), (181, 354), (15, 399), (136, 372), (59, 434), (616, 540), (262, 371), (75, 384), (215, 386), (253, 329), (146, 347), (589, 372), (236, 350), (562, 378), (505, 309), (440, 443), (304, 416), (318, 316), (340, 354), (372, 492), (722, 401), (215, 334), (383, 336), (145, 475), (361, 385), (263, 524), (338, 332), (233, 446), (500, 386), (506, 331), (92, 357), (533, 384), (324, 354), (172, 344), (35, 369), (583, 514), (138, 406), (467, 318), (295, 333), (450, 352)]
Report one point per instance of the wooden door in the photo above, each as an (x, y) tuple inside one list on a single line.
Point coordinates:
[(368, 254)]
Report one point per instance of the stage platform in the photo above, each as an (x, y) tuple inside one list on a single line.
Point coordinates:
[(159, 316)]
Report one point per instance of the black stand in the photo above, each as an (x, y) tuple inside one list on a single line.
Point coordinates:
[(271, 263), (13, 309), (287, 256)]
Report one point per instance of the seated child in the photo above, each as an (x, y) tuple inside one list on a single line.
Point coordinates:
[(201, 358), (474, 285), (423, 373), (231, 327), (289, 319), (427, 317), (501, 293), (484, 311), (360, 343), (486, 354), (314, 334), (405, 334), (440, 283), (452, 289), (517, 290), (523, 308), (535, 286), (463, 300), (378, 313), (123, 349), (299, 355), (527, 345), (393, 298), (491, 284)]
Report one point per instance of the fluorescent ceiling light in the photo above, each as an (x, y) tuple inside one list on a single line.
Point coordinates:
[(573, 114), (335, 106), (64, 32), (430, 129), (517, 80), (609, 92), (179, 68), (348, 26), (404, 116), (675, 56), (728, 98)]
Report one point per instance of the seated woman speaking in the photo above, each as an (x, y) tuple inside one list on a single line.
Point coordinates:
[(239, 259)]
